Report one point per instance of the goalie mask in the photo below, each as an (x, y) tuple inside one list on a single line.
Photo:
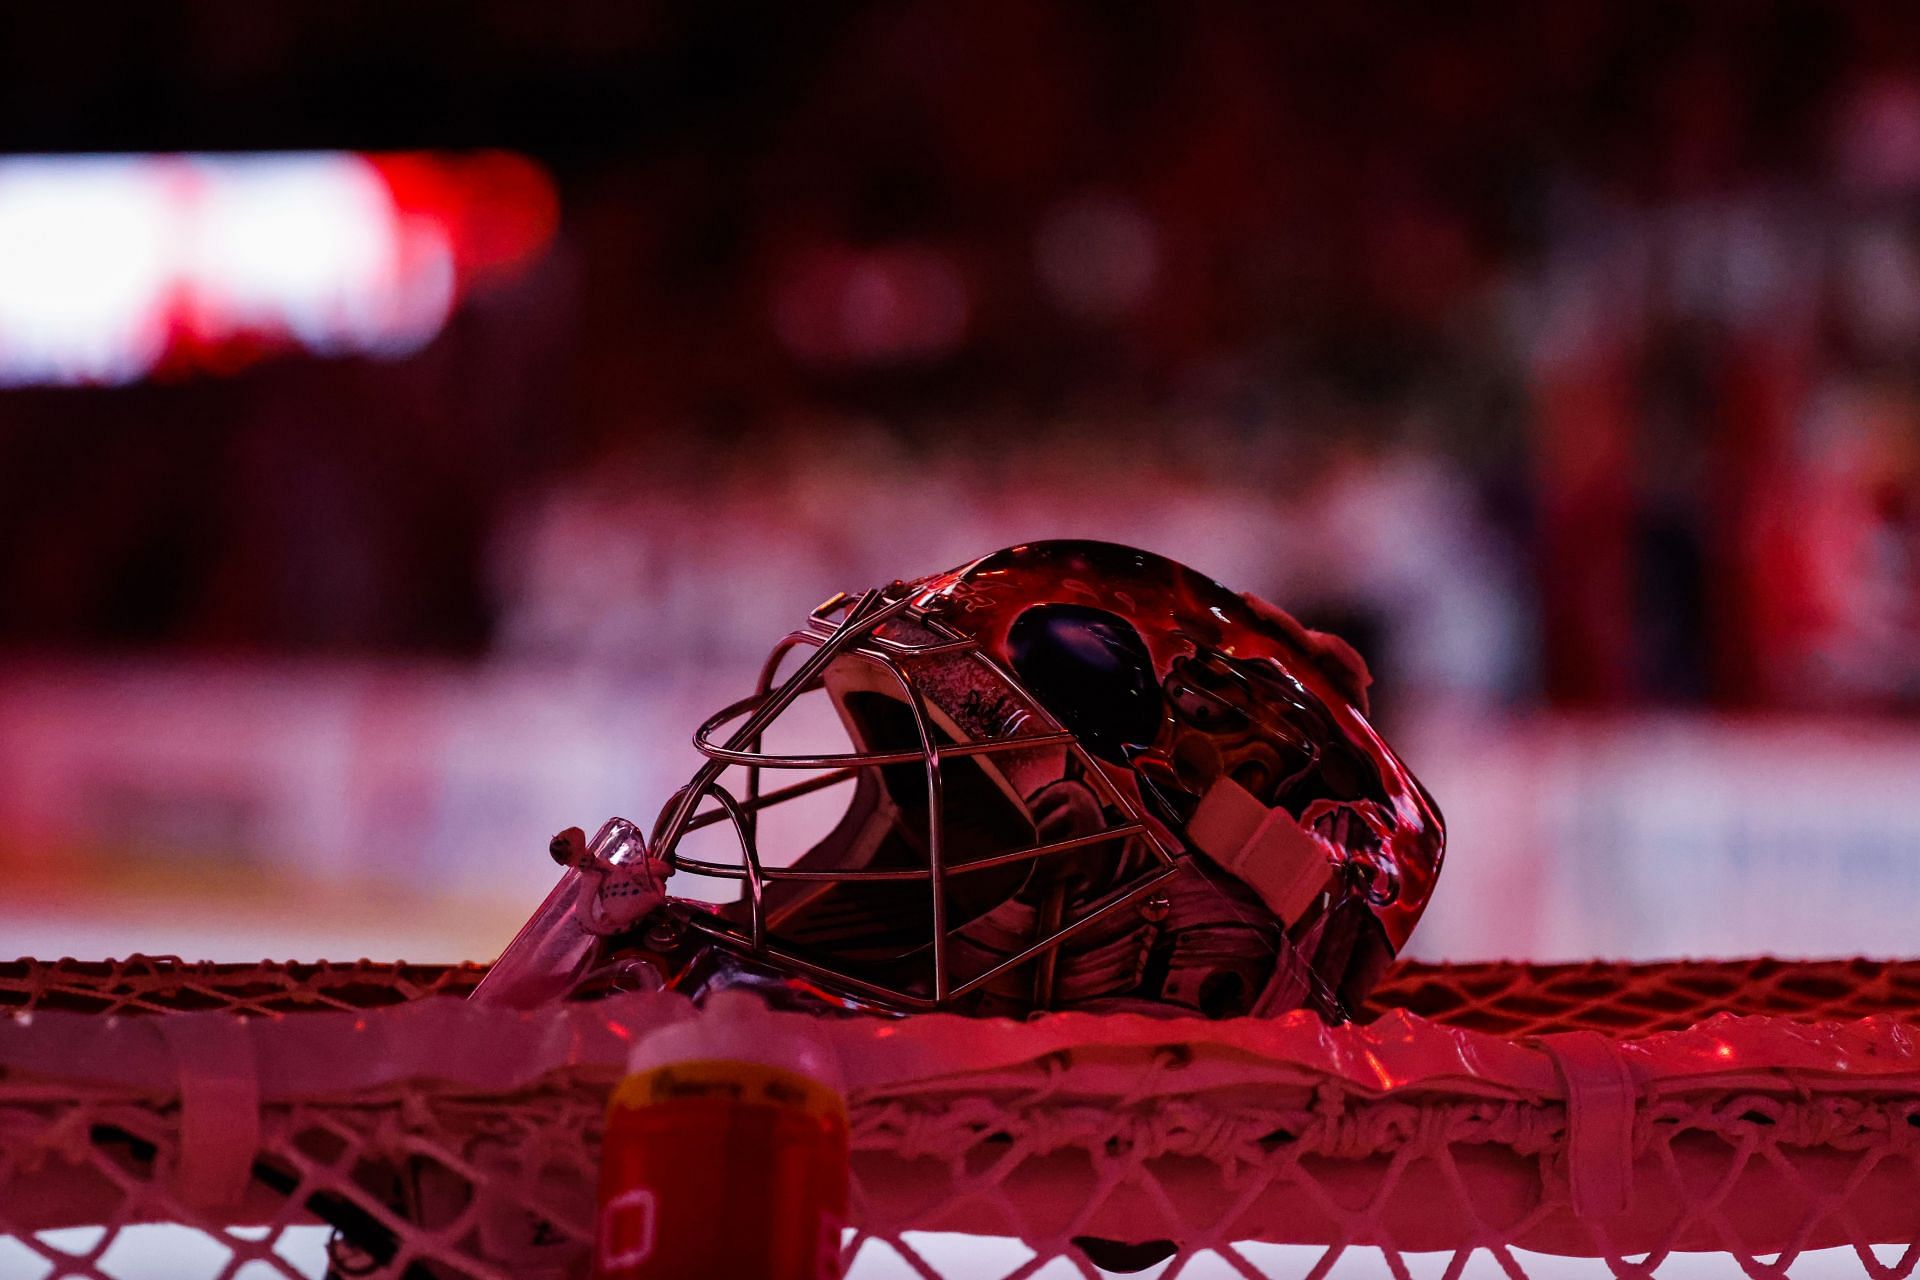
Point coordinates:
[(1078, 776)]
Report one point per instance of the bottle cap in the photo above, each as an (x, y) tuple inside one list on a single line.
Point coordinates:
[(734, 1026)]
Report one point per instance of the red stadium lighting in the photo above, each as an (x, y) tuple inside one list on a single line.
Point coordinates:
[(113, 268)]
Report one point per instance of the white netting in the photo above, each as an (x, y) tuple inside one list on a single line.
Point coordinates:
[(167, 1120)]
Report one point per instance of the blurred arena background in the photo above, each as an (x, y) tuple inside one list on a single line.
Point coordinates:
[(414, 419)]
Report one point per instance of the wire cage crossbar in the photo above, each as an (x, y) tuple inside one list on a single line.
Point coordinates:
[(849, 627)]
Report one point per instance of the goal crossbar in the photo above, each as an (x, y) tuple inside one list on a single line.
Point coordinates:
[(1615, 1112)]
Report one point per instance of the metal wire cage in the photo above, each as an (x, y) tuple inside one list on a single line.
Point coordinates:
[(883, 629)]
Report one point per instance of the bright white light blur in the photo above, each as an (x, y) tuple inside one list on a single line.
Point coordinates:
[(312, 245), (103, 259), (86, 260)]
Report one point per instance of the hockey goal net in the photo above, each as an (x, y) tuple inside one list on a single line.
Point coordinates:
[(161, 1119)]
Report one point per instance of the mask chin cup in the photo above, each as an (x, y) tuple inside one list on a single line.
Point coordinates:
[(548, 957), (610, 885)]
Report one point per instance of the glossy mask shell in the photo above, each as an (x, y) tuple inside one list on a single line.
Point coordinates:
[(1179, 677)]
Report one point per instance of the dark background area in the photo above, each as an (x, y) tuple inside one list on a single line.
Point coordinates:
[(1253, 246)]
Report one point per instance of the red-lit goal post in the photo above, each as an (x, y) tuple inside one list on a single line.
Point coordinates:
[(159, 1118)]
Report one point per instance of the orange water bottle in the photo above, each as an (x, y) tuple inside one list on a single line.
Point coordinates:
[(725, 1152)]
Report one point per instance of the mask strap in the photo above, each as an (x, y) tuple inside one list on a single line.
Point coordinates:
[(1264, 848)]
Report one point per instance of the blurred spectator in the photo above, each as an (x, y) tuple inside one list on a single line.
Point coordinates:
[(1564, 352)]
